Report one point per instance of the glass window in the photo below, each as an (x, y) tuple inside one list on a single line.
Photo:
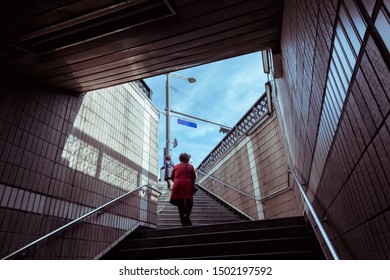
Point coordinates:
[(334, 108), (383, 26), (326, 138), (347, 65), (341, 76), (335, 90), (345, 25), (330, 90), (331, 114), (327, 129), (350, 53), (356, 17)]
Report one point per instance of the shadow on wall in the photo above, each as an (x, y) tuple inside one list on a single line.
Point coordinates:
[(52, 172), (91, 157)]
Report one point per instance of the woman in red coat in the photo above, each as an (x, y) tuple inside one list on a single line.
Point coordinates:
[(183, 177)]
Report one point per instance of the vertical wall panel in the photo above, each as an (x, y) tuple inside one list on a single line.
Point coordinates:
[(349, 107), (256, 165)]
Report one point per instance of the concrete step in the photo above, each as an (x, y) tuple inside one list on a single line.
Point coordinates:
[(206, 210), (227, 236), (198, 216), (214, 250), (238, 225), (285, 239), (194, 212)]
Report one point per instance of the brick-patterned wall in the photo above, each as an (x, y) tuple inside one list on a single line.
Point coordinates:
[(256, 165), (272, 171), (62, 156), (334, 102)]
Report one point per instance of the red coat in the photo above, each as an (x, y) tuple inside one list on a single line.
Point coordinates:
[(182, 181)]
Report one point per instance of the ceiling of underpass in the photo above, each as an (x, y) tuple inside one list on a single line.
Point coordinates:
[(91, 44)]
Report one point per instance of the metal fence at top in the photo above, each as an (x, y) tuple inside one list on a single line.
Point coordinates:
[(143, 87), (259, 110)]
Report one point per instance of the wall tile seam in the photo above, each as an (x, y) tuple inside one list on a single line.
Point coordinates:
[(286, 206), (352, 223), (280, 180), (356, 67), (352, 170), (271, 155), (265, 145), (365, 82), (362, 226), (38, 208)]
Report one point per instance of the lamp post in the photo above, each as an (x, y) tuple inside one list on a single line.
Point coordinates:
[(168, 109)]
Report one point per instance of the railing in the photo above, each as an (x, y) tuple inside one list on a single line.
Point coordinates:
[(231, 187), (244, 193), (143, 87), (317, 220), (259, 111), (77, 220), (225, 202)]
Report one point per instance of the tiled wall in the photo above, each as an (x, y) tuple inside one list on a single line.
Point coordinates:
[(257, 166), (334, 102), (62, 156)]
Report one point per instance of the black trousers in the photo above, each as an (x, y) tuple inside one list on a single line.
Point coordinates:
[(185, 207), (169, 183)]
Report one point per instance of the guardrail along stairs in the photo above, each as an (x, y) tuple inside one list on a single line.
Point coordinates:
[(206, 210), (218, 233)]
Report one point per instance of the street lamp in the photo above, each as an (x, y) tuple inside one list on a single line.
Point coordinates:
[(168, 109)]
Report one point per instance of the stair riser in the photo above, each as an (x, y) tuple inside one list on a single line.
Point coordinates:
[(195, 212), (251, 247), (198, 210), (241, 225), (177, 223), (221, 237), (196, 216), (304, 255)]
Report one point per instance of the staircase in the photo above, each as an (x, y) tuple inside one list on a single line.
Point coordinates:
[(205, 211), (218, 233)]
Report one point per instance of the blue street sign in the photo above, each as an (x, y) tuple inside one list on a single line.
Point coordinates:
[(187, 123)]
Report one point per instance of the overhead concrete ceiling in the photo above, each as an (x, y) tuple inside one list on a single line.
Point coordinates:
[(92, 44)]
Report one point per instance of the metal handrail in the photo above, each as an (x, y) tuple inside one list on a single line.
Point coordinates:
[(240, 191), (77, 220), (268, 196), (320, 227), (244, 193), (227, 203)]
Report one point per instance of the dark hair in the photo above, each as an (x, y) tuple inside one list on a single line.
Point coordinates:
[(168, 158), (184, 157)]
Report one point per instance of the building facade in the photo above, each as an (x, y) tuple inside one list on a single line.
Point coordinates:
[(63, 156)]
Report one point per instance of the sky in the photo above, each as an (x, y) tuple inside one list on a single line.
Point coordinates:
[(223, 92)]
